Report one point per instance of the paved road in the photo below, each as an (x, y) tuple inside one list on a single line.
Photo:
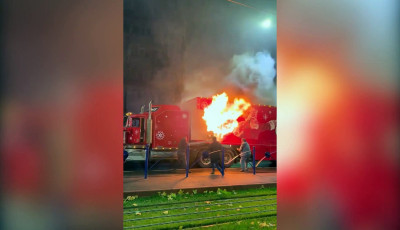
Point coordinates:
[(200, 179)]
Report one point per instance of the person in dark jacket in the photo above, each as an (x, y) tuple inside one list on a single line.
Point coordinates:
[(215, 154), (182, 152), (126, 154)]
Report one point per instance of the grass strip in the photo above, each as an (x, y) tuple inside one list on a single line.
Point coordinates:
[(201, 212), (220, 222), (268, 222), (198, 219), (139, 214), (161, 198), (199, 201), (197, 206), (187, 210)]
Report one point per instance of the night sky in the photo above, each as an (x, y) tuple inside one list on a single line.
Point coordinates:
[(175, 50)]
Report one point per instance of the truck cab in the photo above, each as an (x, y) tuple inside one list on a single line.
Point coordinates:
[(161, 128), (135, 129)]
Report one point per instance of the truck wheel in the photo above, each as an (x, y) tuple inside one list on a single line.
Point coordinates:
[(204, 162), (227, 157)]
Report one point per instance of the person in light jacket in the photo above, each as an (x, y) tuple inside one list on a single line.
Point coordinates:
[(245, 154)]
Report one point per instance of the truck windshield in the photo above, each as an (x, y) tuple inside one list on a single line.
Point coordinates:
[(135, 122), (132, 122)]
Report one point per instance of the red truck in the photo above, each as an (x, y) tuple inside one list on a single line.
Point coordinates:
[(163, 126)]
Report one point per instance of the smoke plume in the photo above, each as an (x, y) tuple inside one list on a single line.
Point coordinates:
[(250, 75), (254, 75)]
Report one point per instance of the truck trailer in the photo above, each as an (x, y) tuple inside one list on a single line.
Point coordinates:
[(162, 127)]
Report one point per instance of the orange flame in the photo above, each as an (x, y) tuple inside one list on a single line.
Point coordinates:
[(221, 116)]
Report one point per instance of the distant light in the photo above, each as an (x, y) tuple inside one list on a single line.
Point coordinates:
[(267, 23)]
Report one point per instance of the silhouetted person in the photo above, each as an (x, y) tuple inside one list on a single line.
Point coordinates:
[(182, 152), (215, 154)]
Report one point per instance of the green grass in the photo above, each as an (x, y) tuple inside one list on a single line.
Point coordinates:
[(218, 209)]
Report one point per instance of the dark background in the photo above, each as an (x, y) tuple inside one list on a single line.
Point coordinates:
[(170, 46)]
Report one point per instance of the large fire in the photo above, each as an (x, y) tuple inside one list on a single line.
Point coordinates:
[(221, 116)]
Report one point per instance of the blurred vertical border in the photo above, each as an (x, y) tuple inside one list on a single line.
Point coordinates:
[(338, 114), (61, 114)]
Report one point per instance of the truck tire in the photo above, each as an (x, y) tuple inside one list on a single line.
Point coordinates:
[(205, 162), (228, 156)]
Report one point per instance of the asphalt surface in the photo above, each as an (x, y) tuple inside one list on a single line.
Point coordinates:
[(169, 179)]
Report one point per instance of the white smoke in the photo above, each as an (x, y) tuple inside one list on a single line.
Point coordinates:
[(255, 74)]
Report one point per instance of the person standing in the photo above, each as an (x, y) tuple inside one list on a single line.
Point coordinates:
[(244, 154), (182, 153), (126, 154), (215, 154)]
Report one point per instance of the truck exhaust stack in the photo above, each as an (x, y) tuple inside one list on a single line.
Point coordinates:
[(149, 126)]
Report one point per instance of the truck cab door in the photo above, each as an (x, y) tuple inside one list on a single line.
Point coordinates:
[(132, 131), (135, 133)]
